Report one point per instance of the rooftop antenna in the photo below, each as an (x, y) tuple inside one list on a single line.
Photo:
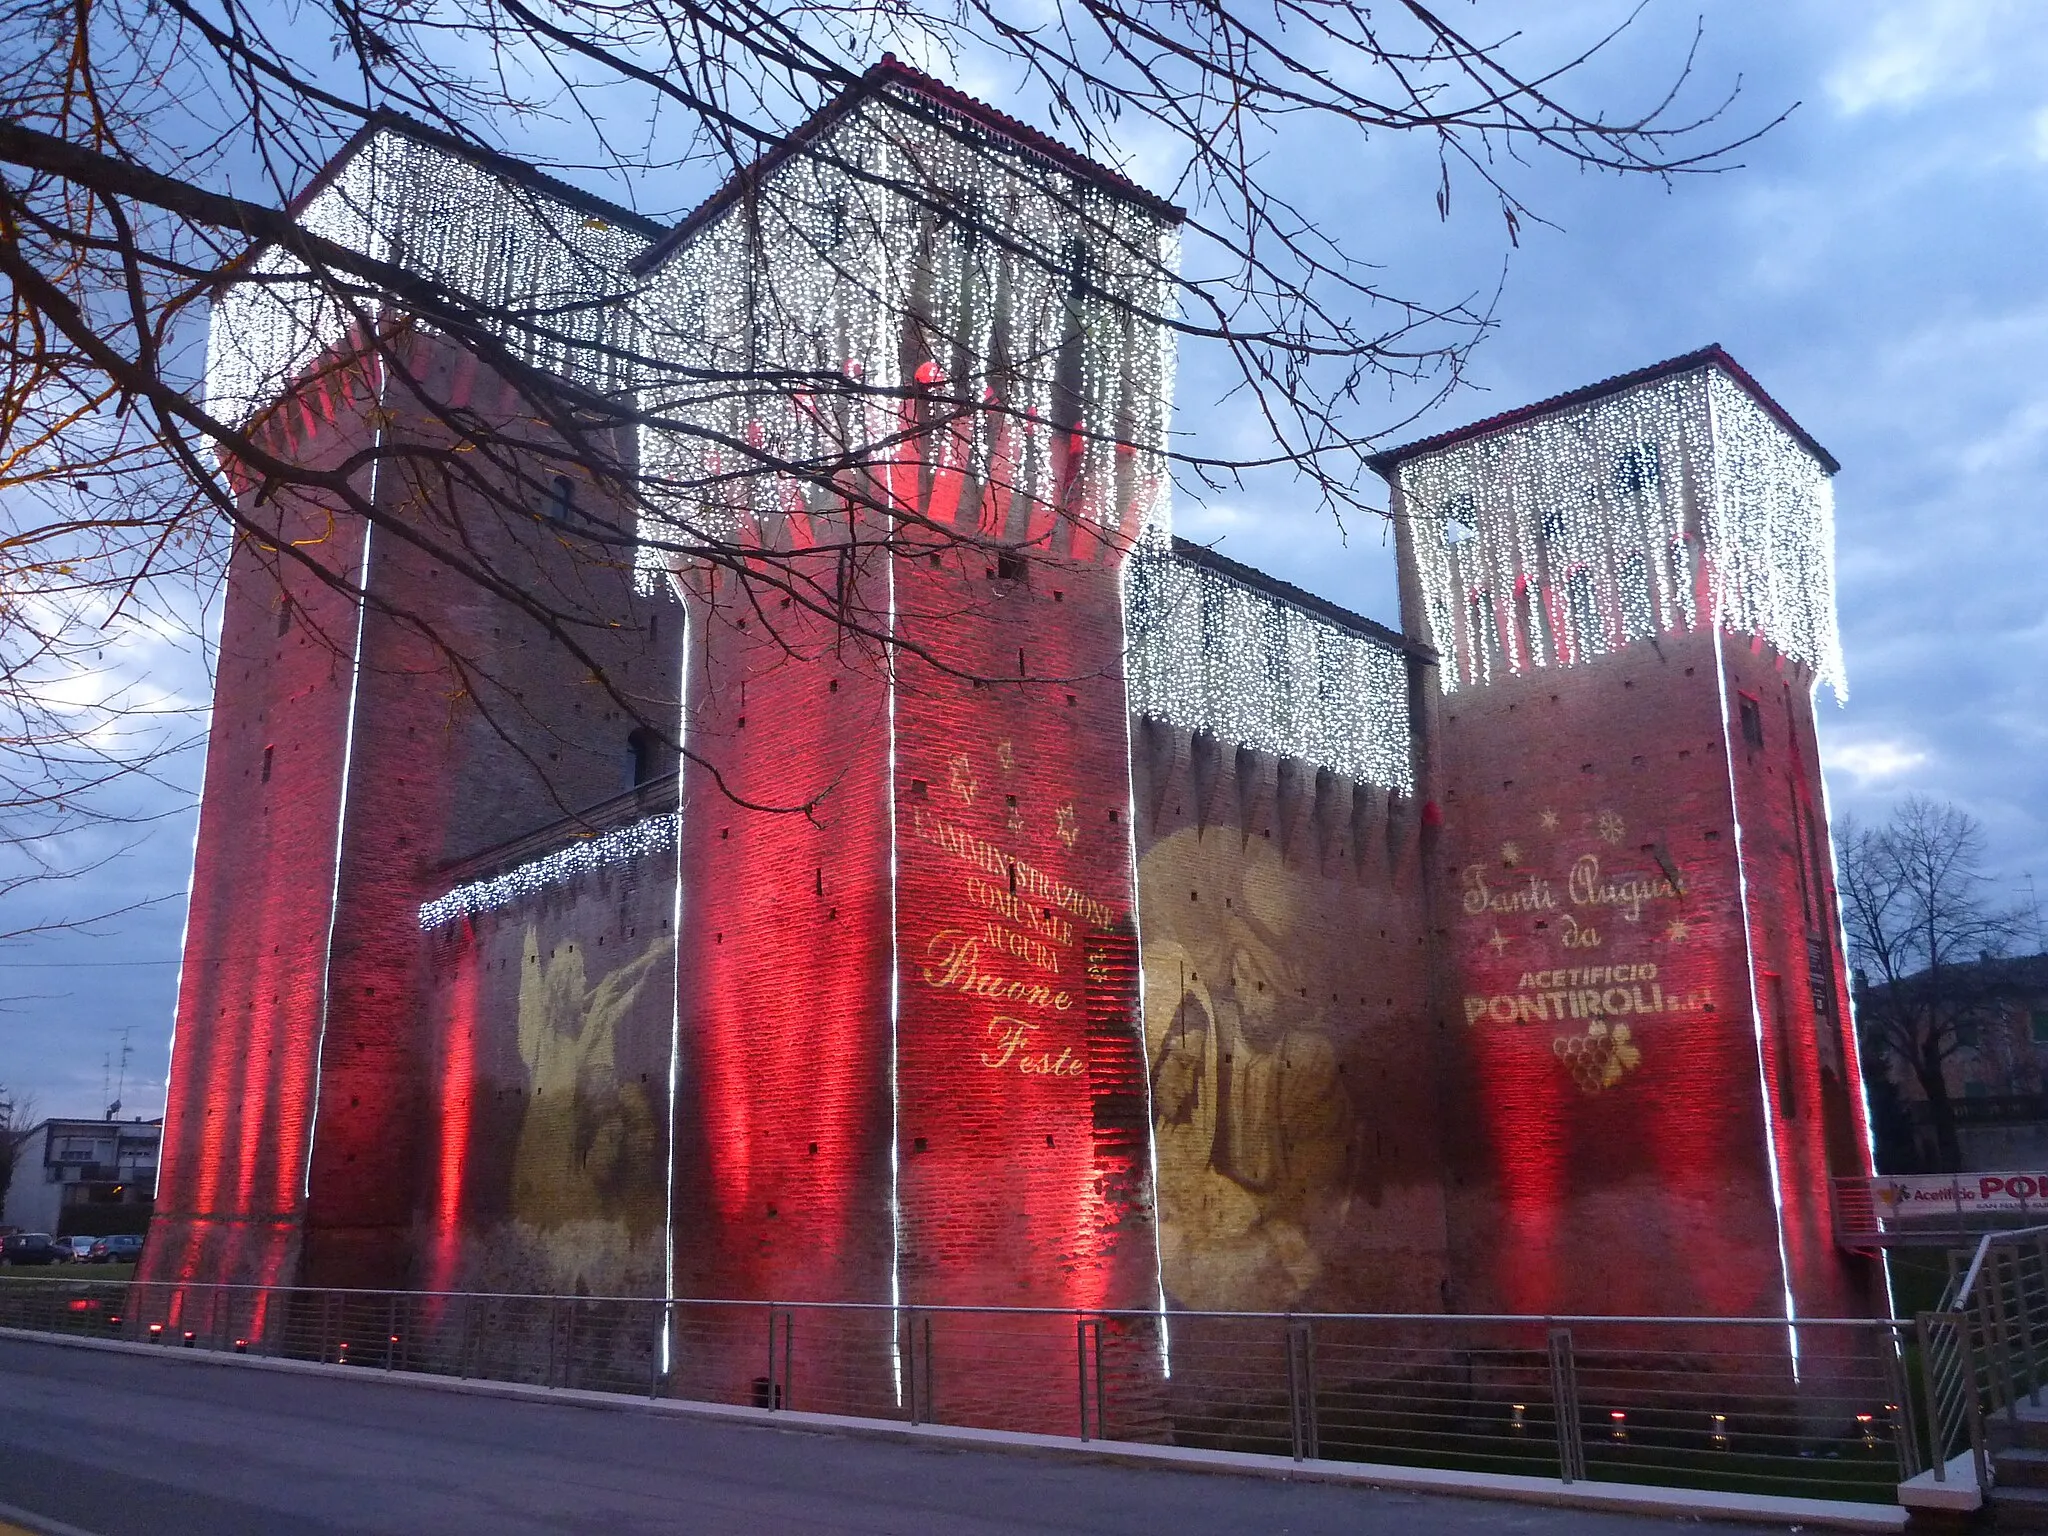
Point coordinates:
[(2034, 906), (121, 1087), (107, 1081)]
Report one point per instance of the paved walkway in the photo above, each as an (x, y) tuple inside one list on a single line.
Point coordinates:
[(127, 1445)]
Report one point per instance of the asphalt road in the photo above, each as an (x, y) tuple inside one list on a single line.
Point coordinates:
[(124, 1445)]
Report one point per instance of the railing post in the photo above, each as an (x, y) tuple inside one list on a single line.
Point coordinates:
[(1082, 1329), (1937, 1437), (1301, 1390), (2030, 1311), (569, 1348), (1998, 1339), (1904, 1442), (930, 1399), (1564, 1398), (778, 1377), (554, 1303), (655, 1342), (907, 1321)]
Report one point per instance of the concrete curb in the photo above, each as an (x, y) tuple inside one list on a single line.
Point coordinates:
[(1615, 1498), (41, 1525)]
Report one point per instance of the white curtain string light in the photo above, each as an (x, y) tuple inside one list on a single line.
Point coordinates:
[(1212, 654), (551, 273), (1652, 510), (654, 834), (906, 216)]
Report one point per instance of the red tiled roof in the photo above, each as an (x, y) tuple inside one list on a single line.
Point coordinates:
[(893, 74), (1714, 356)]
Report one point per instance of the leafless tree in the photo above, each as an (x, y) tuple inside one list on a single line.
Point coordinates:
[(17, 1119), (148, 148), (1921, 922)]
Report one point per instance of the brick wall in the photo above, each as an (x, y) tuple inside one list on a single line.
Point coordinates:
[(1603, 1065), (546, 1086), (249, 1001), (1294, 1081)]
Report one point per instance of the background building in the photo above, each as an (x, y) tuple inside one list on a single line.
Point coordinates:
[(84, 1178)]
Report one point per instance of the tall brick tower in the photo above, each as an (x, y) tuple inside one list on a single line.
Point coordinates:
[(911, 1059), (370, 730), (1642, 985)]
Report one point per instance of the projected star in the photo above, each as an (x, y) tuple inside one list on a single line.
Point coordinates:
[(1511, 854), (960, 773), (1678, 930), (1006, 754), (1611, 829), (1549, 819), (1065, 825), (1499, 943)]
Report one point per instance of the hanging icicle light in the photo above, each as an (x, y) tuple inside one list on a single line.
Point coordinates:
[(1215, 655), (654, 834), (538, 272), (904, 228), (1654, 509)]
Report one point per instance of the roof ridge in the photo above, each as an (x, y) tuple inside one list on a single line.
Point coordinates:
[(1211, 559), (497, 162), (1713, 355), (892, 71)]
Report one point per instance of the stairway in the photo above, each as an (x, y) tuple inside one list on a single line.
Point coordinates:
[(2019, 1469)]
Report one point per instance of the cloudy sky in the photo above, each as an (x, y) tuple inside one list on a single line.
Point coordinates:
[(1876, 262)]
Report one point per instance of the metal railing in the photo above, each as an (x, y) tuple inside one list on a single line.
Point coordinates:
[(1985, 1345), (1734, 1404)]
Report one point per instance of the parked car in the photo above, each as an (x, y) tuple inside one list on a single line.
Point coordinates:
[(121, 1248), (30, 1248), (77, 1249)]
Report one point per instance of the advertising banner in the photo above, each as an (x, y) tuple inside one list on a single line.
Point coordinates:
[(1905, 1196)]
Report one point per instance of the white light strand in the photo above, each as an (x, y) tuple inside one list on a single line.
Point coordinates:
[(824, 279), (1214, 655), (655, 834), (544, 270), (1563, 538)]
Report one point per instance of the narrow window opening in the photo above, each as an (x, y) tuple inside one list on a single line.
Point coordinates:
[(1752, 722), (640, 758), (268, 753), (284, 614)]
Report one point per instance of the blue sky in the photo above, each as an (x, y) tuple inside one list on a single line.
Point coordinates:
[(1877, 263)]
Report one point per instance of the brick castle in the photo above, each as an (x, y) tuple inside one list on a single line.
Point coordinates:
[(1152, 931)]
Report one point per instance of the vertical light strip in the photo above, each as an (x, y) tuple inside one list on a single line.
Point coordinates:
[(895, 1010), (675, 1005), (1853, 1044), (1138, 937), (1763, 1080), (185, 938), (348, 751)]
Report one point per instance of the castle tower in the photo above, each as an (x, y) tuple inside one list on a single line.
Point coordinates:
[(1630, 593), (372, 730)]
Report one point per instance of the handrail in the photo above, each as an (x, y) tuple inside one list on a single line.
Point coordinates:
[(1984, 1246)]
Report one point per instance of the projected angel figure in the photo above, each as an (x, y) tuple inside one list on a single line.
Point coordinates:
[(1253, 1125)]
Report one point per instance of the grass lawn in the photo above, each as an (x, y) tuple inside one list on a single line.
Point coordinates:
[(82, 1273)]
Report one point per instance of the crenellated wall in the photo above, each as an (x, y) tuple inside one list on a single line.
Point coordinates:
[(1293, 1063)]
